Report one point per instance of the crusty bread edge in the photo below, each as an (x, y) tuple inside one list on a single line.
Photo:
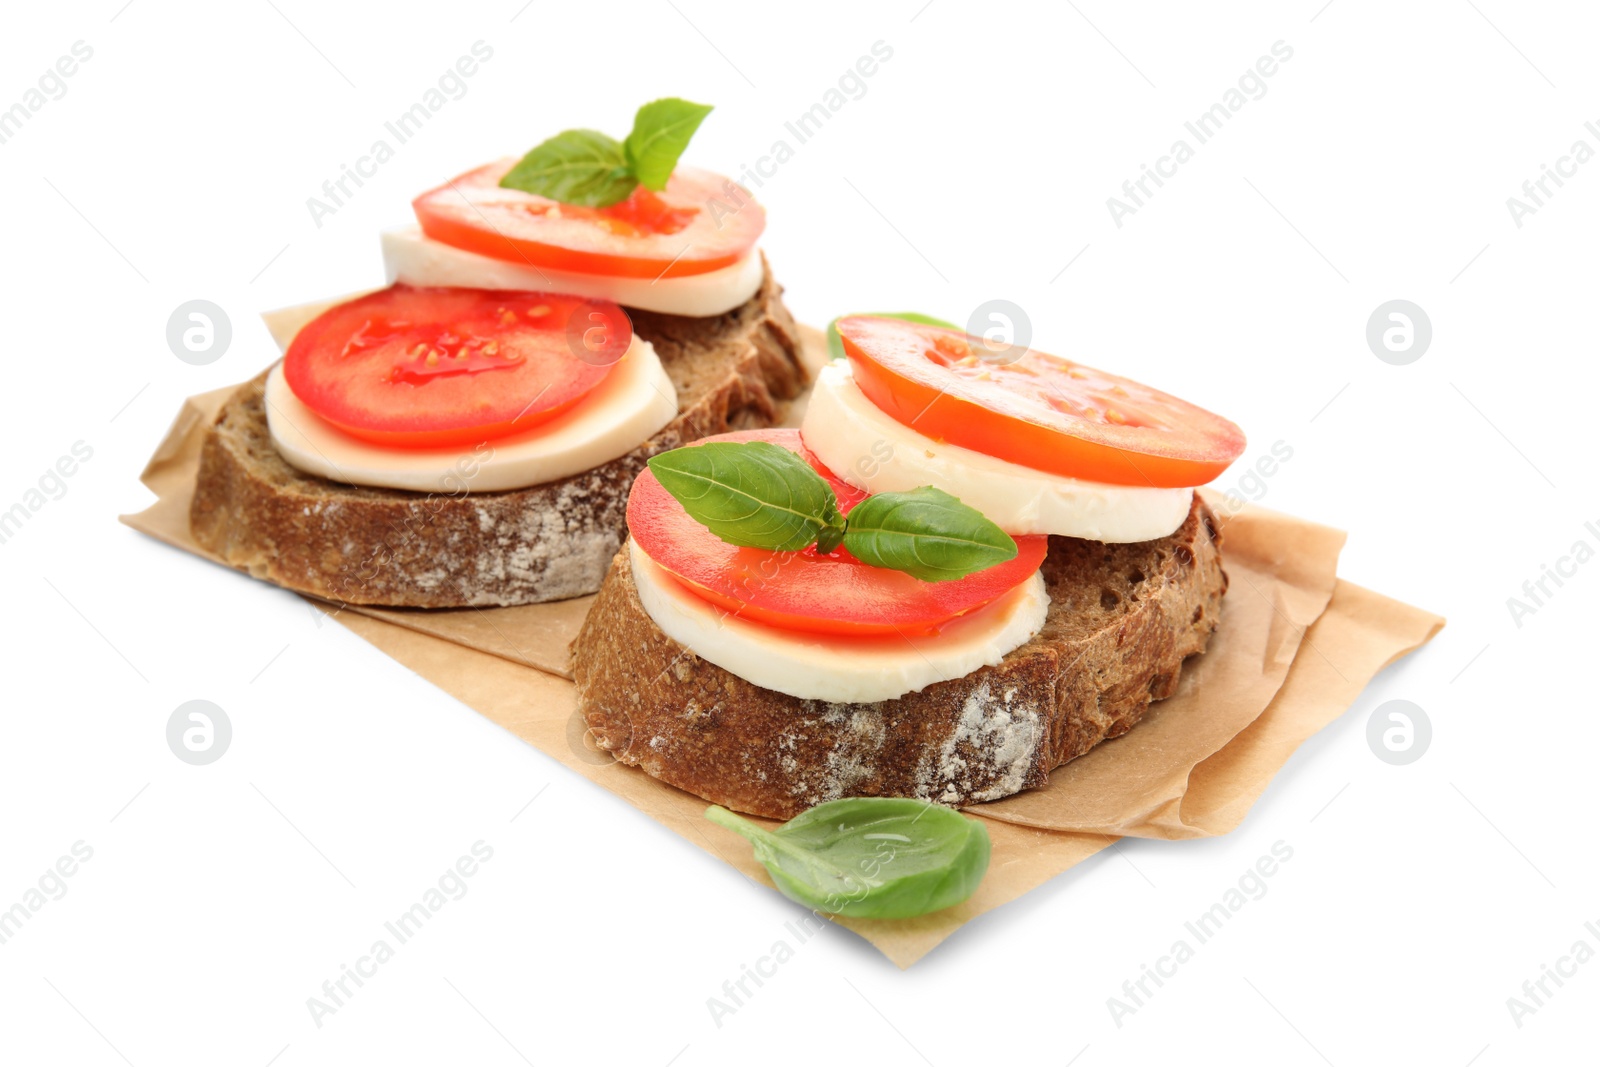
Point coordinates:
[(393, 548), (657, 706)]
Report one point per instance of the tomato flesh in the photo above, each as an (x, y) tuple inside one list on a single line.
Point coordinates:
[(433, 368), (675, 233), (805, 591), (1036, 410)]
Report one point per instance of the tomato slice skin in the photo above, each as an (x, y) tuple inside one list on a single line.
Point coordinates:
[(675, 233), (835, 594), (434, 368), (1036, 410)]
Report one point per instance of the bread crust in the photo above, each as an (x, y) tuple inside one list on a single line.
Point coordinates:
[(440, 550), (1121, 621)]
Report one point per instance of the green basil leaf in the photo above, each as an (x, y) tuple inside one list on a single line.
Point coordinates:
[(927, 533), (836, 346), (870, 857), (754, 493), (661, 131), (582, 167), (830, 538)]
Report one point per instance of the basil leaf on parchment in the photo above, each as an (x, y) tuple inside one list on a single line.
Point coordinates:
[(927, 533), (754, 494), (870, 857)]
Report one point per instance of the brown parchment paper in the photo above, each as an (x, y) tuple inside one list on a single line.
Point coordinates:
[(1295, 647), (1281, 576)]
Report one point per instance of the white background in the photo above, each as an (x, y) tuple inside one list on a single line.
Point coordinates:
[(977, 165)]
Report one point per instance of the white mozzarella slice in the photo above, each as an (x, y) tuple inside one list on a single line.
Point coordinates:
[(865, 447), (411, 257), (838, 669), (633, 402)]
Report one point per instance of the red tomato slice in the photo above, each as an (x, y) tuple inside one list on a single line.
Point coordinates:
[(430, 368), (833, 594), (671, 234), (1038, 410)]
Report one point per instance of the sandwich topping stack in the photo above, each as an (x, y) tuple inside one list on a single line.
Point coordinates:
[(966, 568), (468, 435)]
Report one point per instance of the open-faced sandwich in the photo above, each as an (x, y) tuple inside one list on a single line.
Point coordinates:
[(965, 569), (468, 435)]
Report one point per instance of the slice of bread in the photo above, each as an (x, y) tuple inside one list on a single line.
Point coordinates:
[(359, 545), (1122, 619)]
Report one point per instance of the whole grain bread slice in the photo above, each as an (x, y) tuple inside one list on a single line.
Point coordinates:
[(395, 548), (1121, 621)]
